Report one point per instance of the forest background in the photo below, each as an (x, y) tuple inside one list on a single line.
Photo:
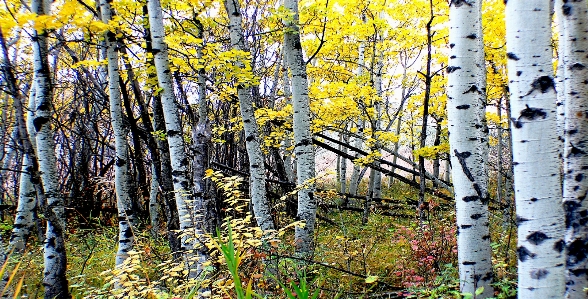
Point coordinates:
[(189, 132)]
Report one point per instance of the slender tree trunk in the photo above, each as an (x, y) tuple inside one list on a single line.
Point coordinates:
[(54, 281), (174, 132), (163, 169), (468, 139), (24, 220), (257, 190), (153, 204), (343, 167), (423, 138), (302, 139), (204, 209), (121, 170), (540, 215), (575, 63), (355, 177)]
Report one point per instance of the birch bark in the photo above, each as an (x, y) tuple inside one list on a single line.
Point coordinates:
[(468, 141), (257, 189), (121, 172), (538, 194), (179, 159), (575, 155), (54, 281), (302, 139)]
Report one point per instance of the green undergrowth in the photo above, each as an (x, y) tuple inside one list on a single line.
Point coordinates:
[(388, 257)]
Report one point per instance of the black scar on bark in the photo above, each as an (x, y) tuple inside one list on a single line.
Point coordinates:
[(579, 177), (451, 46), (473, 88), (577, 67), (576, 252), (472, 36), (249, 138), (304, 142), (574, 151), (566, 9), (519, 73), (51, 242), (461, 158), (155, 51), (44, 106), (537, 238), (172, 133), (470, 198), (512, 56), (38, 122), (451, 69), (184, 162), (524, 253), (297, 45), (476, 216), (534, 199), (120, 162), (521, 219), (572, 131), (468, 263), (465, 226), (488, 276), (459, 3), (539, 273), (559, 246), (486, 237), (528, 113), (461, 107), (543, 83), (452, 57), (128, 233)]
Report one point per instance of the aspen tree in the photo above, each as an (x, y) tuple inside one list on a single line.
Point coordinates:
[(303, 148), (54, 281), (575, 156), (174, 133), (540, 216), (469, 142), (121, 171), (257, 190)]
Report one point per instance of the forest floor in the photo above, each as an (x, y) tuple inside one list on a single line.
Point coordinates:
[(392, 256)]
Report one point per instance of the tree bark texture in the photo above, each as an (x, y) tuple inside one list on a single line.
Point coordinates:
[(468, 139), (303, 148), (538, 196)]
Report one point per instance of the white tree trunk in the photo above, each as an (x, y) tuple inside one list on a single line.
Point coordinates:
[(468, 140), (121, 172), (174, 133), (575, 68), (355, 174), (27, 199), (540, 216), (54, 281), (303, 148), (257, 190)]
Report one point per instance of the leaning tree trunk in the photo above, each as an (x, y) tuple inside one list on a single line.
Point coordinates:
[(174, 133), (54, 281), (575, 63), (468, 140), (540, 216), (123, 199), (257, 190), (302, 138)]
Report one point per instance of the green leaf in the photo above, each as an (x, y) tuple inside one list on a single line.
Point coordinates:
[(479, 290), (371, 279)]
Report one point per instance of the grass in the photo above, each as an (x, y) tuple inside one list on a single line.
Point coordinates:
[(378, 257)]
